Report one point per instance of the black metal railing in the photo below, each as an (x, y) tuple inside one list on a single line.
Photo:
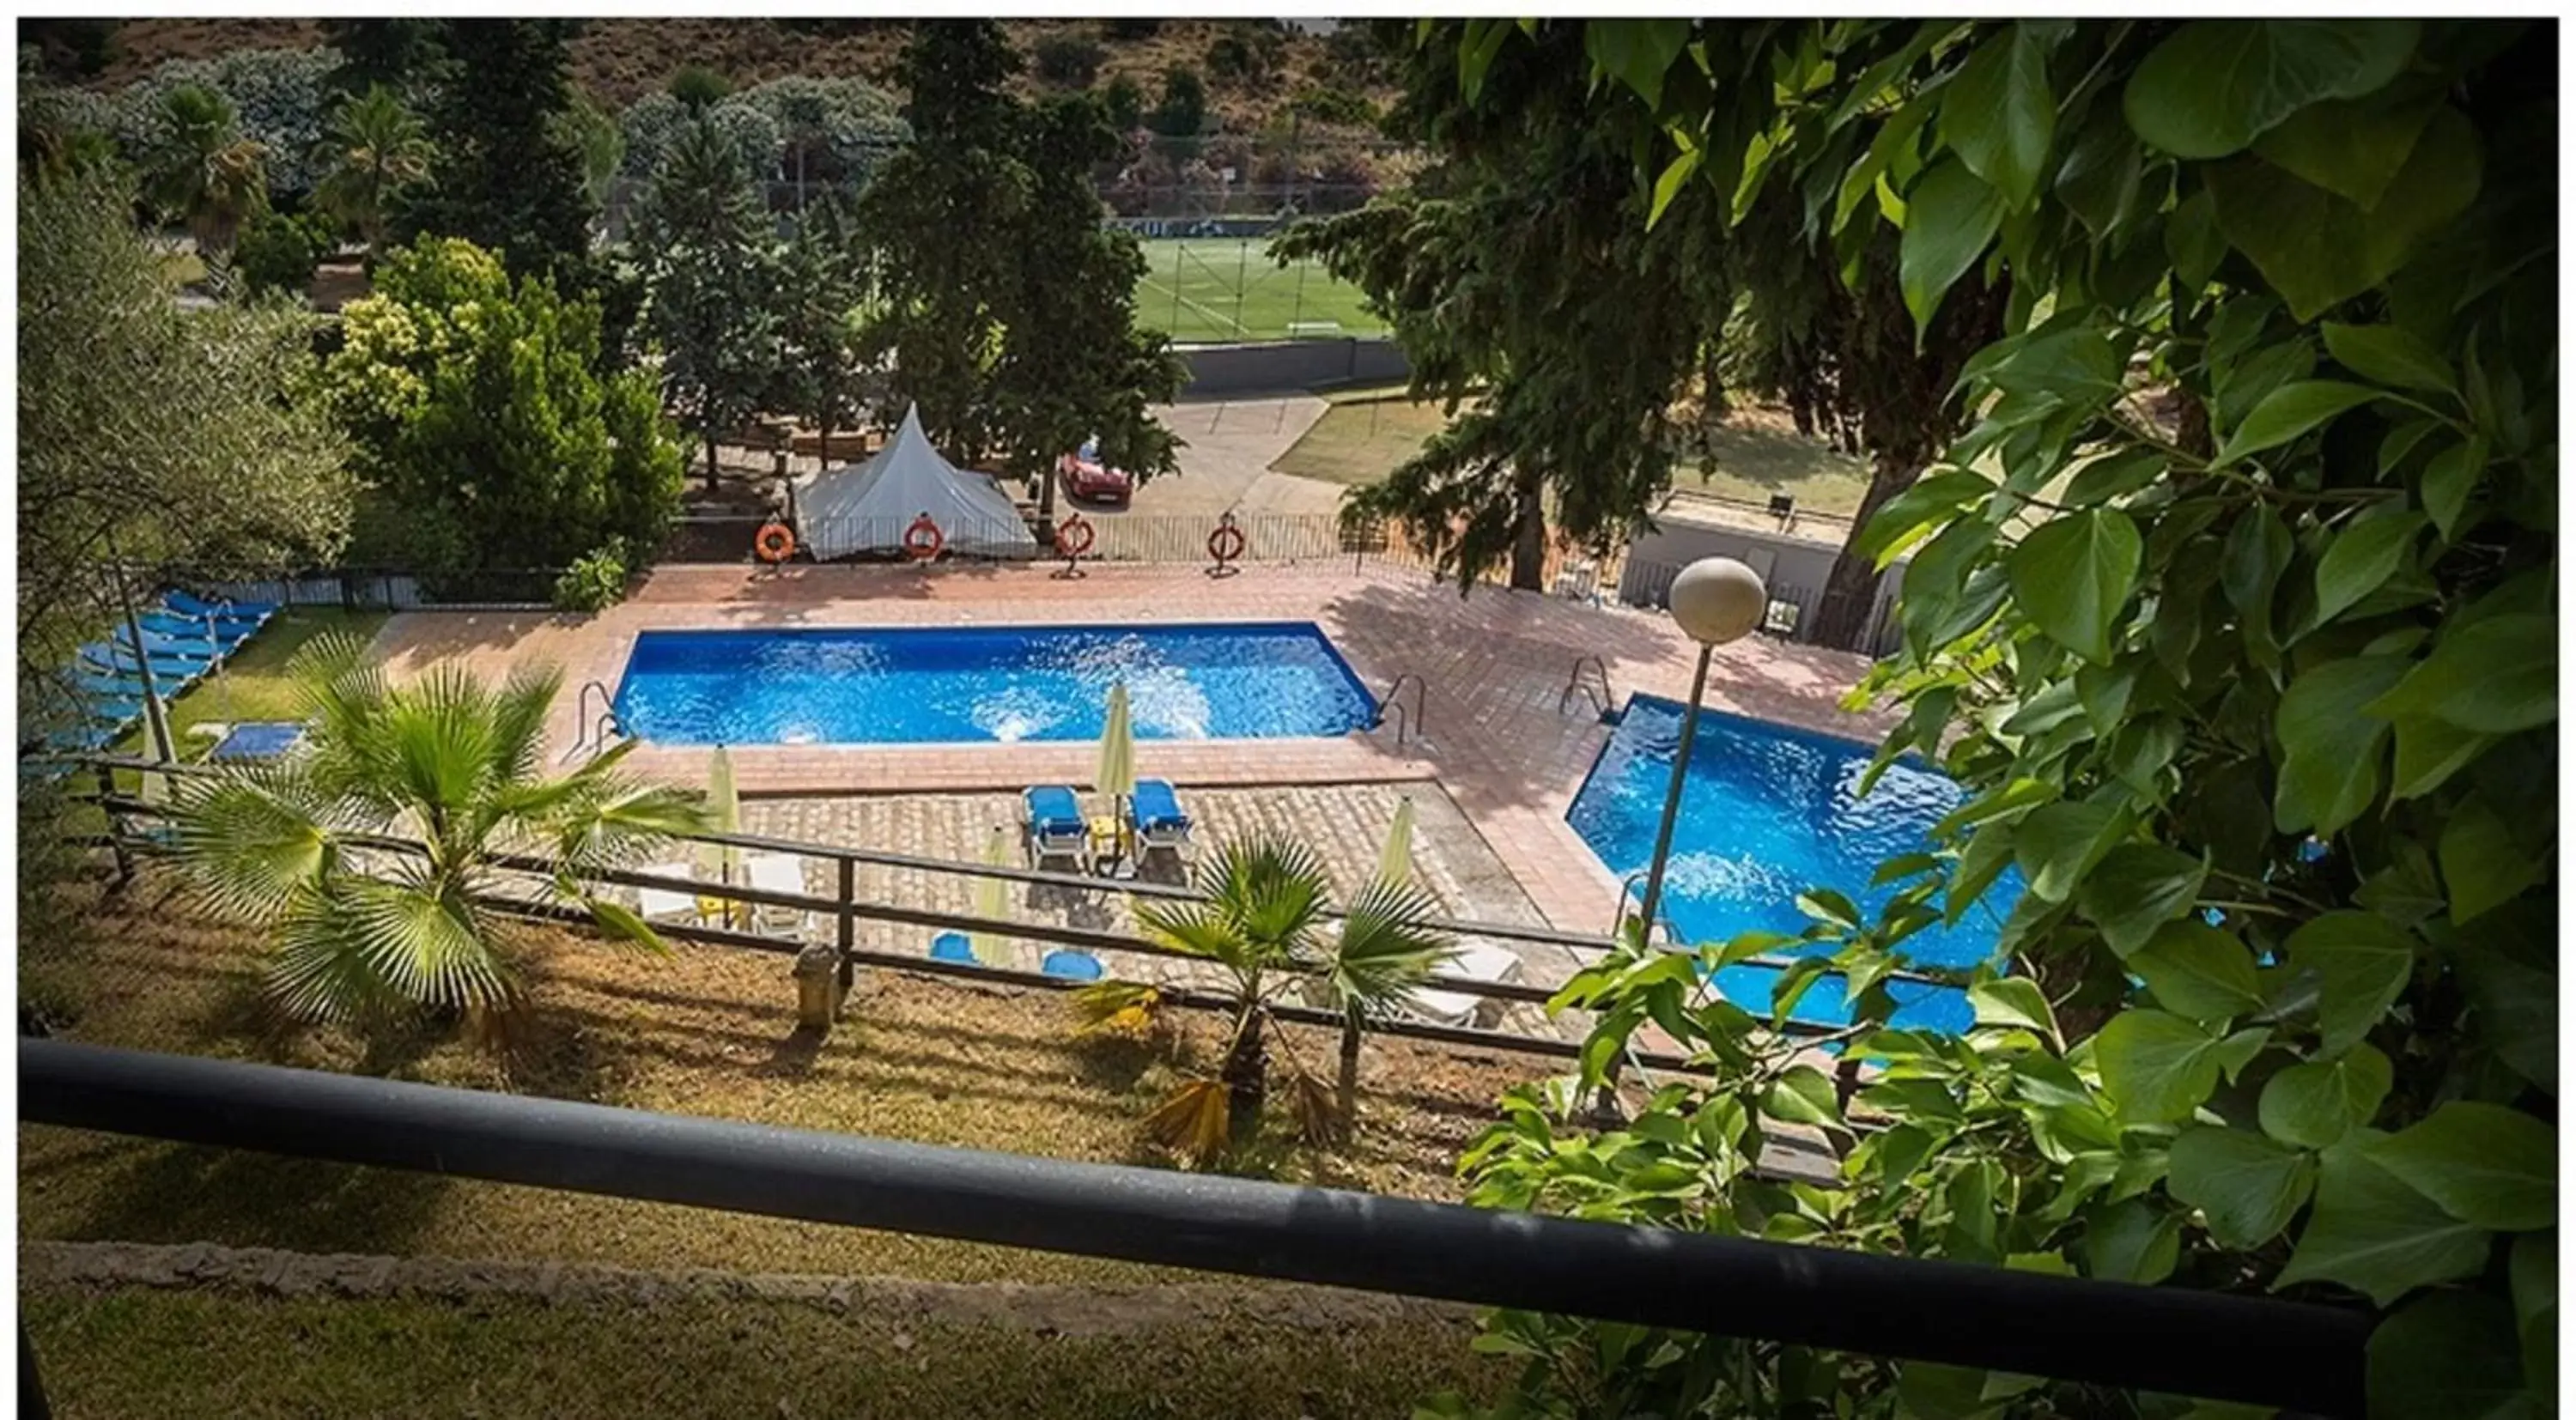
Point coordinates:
[(2166, 1339)]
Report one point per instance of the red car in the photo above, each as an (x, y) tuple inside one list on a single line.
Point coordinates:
[(1090, 479)]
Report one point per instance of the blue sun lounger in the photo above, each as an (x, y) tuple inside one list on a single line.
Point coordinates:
[(257, 739), (223, 633), (1155, 812), (187, 603), (170, 674), (1054, 827)]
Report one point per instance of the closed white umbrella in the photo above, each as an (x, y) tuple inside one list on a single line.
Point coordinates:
[(992, 895), (1395, 861), (1116, 775), (722, 862)]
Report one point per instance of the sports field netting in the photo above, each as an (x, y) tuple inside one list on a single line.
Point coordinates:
[(1227, 288)]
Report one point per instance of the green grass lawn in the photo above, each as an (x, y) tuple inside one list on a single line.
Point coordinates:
[(151, 1354), (1229, 289), (1359, 440), (253, 685)]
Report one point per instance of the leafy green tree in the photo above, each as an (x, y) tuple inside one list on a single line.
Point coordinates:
[(483, 429), (445, 760), (944, 283), (593, 133), (376, 150), (506, 177), (193, 435), (713, 283), (821, 374), (204, 172), (1571, 327), (408, 56), (698, 88), (1183, 109), (1074, 363), (280, 253), (1262, 919), (2233, 608)]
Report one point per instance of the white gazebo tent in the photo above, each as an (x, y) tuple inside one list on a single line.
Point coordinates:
[(866, 507)]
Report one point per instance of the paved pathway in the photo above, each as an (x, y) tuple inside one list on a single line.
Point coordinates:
[(1494, 664)]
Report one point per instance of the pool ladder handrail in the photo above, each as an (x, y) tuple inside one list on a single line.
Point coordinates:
[(589, 733), (1575, 682), (1406, 727)]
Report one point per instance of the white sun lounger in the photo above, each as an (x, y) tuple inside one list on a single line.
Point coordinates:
[(777, 872), (669, 904), (1477, 962)]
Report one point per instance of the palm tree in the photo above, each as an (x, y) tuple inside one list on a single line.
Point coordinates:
[(361, 930), (204, 171), (1261, 916), (375, 148)]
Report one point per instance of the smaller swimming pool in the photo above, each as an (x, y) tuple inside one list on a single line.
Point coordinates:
[(1002, 684), (1767, 813)]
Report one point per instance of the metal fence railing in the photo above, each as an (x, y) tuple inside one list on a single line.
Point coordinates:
[(370, 589)]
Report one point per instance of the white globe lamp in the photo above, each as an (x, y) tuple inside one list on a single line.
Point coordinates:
[(1715, 600)]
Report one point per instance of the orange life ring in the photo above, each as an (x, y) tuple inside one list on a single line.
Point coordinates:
[(923, 539), (773, 543), (1073, 536), (1226, 543)]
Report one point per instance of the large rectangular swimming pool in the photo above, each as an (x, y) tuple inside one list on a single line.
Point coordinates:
[(1767, 813), (1005, 684)]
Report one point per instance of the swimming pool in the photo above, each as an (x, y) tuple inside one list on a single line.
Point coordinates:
[(1006, 684), (1767, 813)]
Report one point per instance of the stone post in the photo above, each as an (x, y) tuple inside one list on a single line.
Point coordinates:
[(818, 987)]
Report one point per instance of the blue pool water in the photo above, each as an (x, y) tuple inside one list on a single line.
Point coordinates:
[(1767, 813), (924, 685)]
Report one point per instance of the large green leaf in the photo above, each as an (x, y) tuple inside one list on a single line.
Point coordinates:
[(2482, 865), (2073, 575), (2193, 241), (2257, 551), (2316, 1104), (2013, 1001), (2137, 888), (2362, 962), (2535, 1306), (2374, 1234), (2246, 1186), (2290, 411), (2156, 1067), (2318, 249), (2217, 85), (2132, 1241), (2331, 745), (2057, 844), (1997, 113), (2487, 1165), (2449, 478), (2361, 559), (2496, 676), (2450, 1356), (2196, 970), (1638, 53), (1950, 216), (2353, 150), (2390, 355)]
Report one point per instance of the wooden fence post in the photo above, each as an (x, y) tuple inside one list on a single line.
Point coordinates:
[(849, 930)]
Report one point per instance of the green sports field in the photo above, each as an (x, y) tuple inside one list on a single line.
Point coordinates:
[(1219, 289)]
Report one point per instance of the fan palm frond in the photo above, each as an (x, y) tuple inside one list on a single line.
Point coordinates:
[(1273, 888), (249, 851), (1385, 948), (1125, 1009), (1194, 1122)]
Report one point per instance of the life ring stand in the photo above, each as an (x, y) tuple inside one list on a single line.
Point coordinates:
[(1225, 545), (923, 540), (774, 543), (1073, 538)]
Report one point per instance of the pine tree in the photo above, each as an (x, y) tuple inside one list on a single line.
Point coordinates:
[(821, 376), (712, 285), (507, 178)]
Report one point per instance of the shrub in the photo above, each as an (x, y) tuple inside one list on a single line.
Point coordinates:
[(1071, 60), (1183, 111), (283, 96), (1123, 99), (841, 128), (1133, 27), (699, 88), (1333, 104), (1246, 54), (277, 252), (74, 48), (596, 580)]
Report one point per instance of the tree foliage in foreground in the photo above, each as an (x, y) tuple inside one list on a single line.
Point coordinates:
[(483, 432), (2234, 606), (362, 934)]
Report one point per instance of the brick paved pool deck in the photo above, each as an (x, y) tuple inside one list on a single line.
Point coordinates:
[(1494, 667)]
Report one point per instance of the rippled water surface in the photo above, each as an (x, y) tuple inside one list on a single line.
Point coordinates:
[(1767, 813), (927, 685)]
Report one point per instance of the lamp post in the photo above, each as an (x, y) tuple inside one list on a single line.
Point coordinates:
[(1715, 600)]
